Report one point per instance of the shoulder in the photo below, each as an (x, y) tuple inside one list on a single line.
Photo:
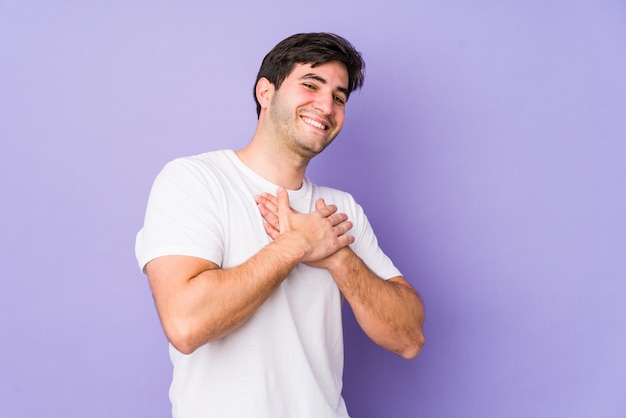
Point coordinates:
[(335, 196), (206, 161), (201, 167)]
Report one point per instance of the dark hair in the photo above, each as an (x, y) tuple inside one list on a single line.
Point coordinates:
[(313, 48)]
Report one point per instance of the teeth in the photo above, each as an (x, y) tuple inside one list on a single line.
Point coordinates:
[(314, 123)]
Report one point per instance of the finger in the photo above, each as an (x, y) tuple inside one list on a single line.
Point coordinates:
[(345, 240), (268, 200), (320, 203), (268, 215), (271, 231), (282, 200), (327, 210), (337, 218), (342, 228)]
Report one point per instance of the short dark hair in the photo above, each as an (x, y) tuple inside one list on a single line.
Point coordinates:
[(313, 48)]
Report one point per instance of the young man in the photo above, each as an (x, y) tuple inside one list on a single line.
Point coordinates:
[(249, 262)]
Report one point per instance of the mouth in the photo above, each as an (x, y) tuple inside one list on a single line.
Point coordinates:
[(315, 123)]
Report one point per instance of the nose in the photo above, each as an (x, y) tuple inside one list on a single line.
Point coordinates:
[(324, 103)]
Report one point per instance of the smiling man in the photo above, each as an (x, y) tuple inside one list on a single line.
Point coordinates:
[(249, 262)]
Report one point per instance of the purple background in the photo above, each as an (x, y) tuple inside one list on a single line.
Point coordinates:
[(488, 147)]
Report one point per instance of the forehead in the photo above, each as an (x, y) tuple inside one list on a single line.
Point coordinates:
[(333, 73)]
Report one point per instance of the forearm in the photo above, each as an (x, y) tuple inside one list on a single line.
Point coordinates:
[(390, 312), (213, 302)]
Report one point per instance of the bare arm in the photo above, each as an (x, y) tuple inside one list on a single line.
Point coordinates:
[(198, 302), (390, 311)]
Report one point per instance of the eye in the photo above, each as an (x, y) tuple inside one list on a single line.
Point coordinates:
[(309, 86), (340, 100)]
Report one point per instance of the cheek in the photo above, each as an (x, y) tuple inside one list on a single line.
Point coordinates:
[(340, 117)]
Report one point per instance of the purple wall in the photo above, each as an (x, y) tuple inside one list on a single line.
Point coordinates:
[(488, 148)]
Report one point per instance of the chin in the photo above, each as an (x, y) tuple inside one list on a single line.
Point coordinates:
[(313, 150)]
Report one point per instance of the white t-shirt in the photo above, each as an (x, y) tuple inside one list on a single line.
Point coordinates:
[(287, 359)]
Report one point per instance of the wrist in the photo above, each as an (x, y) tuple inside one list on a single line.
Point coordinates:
[(341, 260), (292, 246)]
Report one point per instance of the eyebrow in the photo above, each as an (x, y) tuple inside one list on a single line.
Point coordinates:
[(313, 76)]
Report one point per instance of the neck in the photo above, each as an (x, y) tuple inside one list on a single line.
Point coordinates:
[(277, 165)]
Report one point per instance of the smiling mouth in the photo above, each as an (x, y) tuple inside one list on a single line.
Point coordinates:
[(314, 123)]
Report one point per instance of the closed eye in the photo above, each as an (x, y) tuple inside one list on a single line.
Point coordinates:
[(340, 100)]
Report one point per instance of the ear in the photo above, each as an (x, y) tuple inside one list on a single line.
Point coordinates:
[(264, 91)]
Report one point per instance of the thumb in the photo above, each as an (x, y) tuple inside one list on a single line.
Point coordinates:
[(320, 203), (283, 201), (282, 198)]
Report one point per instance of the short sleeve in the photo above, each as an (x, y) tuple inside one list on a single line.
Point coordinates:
[(367, 248), (365, 243), (184, 215)]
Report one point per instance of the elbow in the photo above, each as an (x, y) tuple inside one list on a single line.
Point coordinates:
[(410, 351), (180, 335), (183, 346), (187, 333)]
